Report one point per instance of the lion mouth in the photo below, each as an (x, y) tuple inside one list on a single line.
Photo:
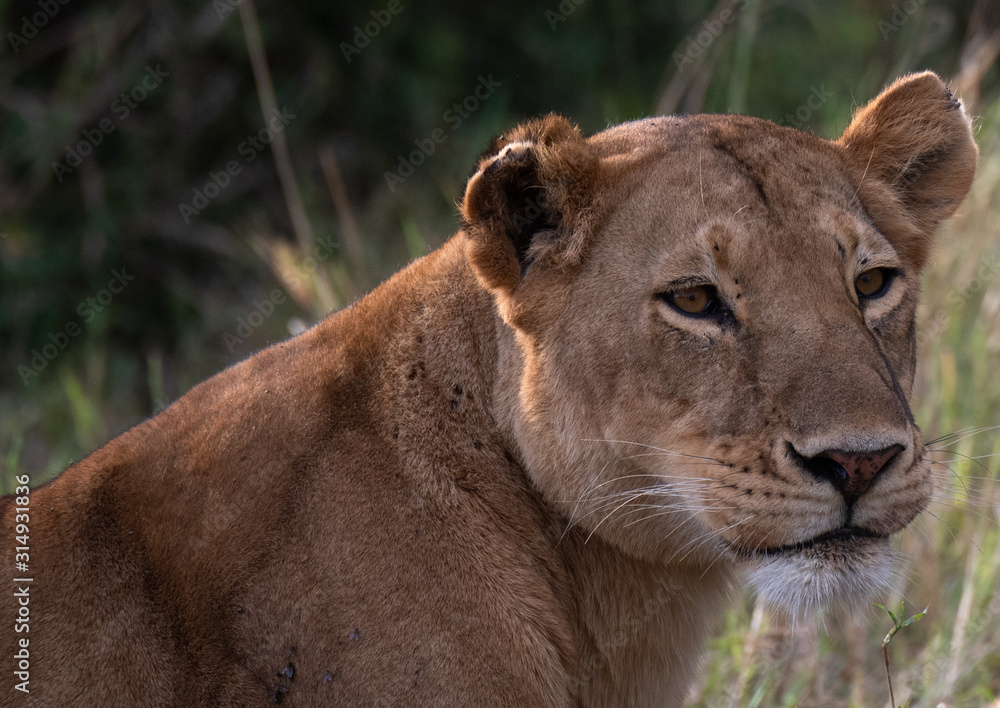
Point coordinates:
[(838, 539)]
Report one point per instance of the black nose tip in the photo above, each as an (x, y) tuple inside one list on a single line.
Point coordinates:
[(849, 471)]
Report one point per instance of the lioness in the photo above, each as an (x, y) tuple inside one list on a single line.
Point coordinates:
[(526, 469)]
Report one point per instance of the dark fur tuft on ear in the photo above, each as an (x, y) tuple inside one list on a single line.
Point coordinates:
[(528, 201), (913, 150)]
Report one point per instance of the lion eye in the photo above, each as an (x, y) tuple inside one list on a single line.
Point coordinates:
[(873, 283), (696, 300)]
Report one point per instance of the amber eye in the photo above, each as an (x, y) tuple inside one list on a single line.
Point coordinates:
[(873, 283), (696, 300)]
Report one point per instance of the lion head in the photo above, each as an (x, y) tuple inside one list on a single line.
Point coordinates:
[(714, 320)]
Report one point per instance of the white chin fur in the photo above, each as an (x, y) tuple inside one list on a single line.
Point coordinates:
[(847, 574)]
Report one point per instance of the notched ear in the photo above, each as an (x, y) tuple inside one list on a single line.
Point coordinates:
[(913, 145), (528, 201)]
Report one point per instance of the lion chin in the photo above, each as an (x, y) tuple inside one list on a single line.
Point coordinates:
[(834, 572)]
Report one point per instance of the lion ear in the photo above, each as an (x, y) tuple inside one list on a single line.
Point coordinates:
[(913, 147), (527, 202)]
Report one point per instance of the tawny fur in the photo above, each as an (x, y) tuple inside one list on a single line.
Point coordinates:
[(512, 475)]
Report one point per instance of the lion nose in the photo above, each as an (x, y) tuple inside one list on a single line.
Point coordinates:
[(851, 472)]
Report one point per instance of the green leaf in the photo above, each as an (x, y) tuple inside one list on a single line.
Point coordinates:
[(895, 622), (915, 618)]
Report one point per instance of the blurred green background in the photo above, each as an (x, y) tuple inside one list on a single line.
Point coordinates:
[(151, 234)]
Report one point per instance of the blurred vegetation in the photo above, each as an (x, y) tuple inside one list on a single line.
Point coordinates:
[(137, 300)]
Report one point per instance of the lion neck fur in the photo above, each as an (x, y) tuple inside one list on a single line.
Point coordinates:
[(640, 619)]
